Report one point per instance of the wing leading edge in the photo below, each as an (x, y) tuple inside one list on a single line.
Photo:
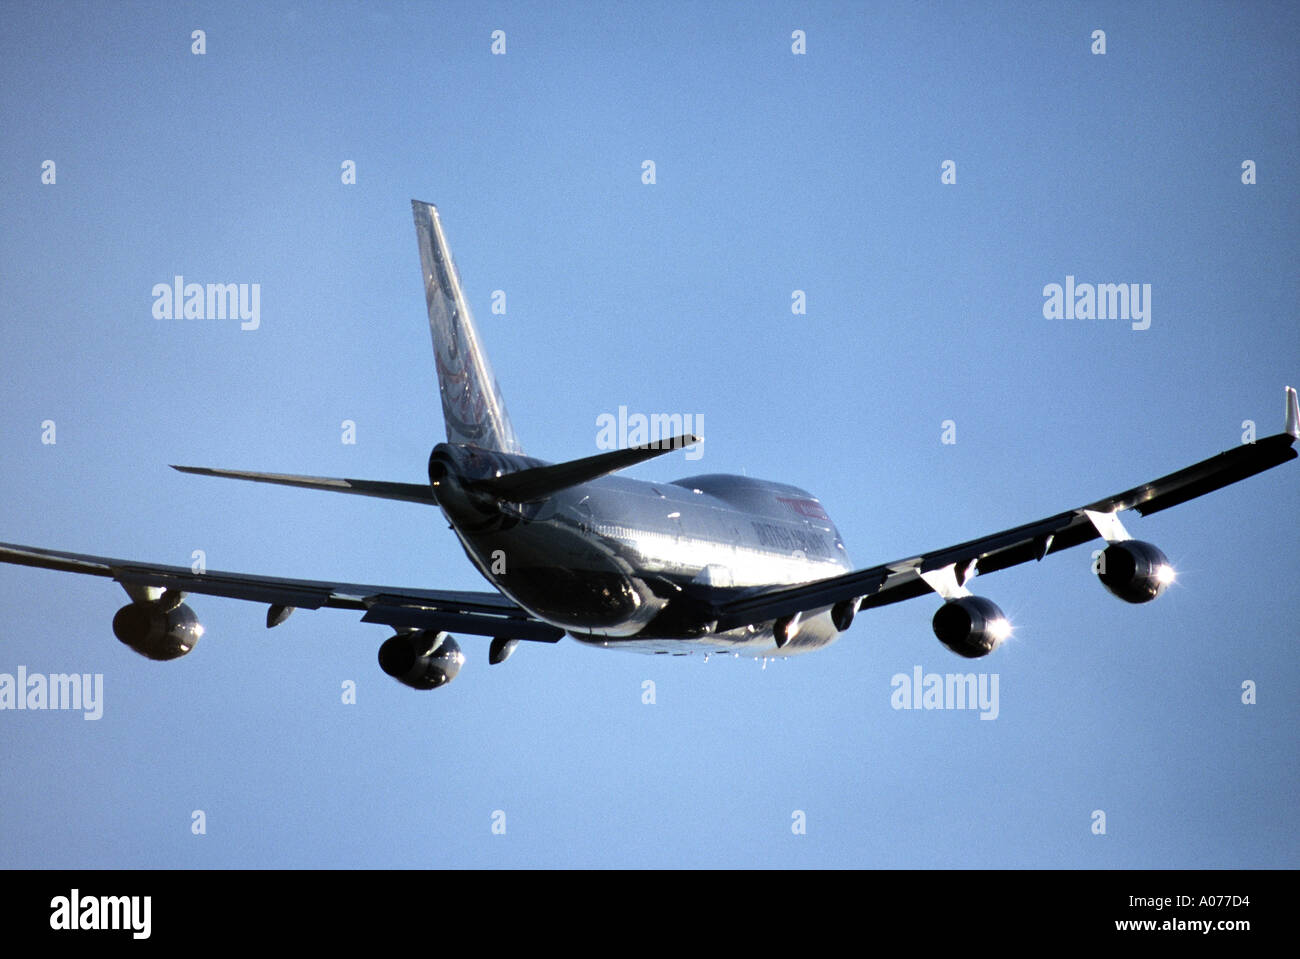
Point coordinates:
[(903, 579)]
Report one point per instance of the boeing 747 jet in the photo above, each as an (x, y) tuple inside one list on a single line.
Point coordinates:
[(711, 563)]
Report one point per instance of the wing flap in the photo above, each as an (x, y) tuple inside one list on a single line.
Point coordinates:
[(479, 624)]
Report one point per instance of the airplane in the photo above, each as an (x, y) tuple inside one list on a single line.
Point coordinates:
[(711, 563)]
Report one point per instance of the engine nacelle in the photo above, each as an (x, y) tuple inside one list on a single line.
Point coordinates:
[(160, 629), (971, 626), (1134, 571), (421, 659)]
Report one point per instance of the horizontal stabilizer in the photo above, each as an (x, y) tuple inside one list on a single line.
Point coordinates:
[(540, 482), (411, 492)]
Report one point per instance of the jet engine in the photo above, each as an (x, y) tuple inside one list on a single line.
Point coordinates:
[(421, 658), (1134, 571), (160, 629), (971, 626)]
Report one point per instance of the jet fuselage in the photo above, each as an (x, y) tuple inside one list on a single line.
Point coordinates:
[(618, 561)]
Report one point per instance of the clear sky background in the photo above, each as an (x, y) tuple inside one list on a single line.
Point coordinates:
[(775, 173)]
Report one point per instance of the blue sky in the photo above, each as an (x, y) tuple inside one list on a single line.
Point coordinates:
[(774, 173)]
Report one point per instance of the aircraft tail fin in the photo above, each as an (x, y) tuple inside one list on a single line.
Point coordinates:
[(472, 406)]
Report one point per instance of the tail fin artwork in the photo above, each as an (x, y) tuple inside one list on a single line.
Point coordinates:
[(472, 405)]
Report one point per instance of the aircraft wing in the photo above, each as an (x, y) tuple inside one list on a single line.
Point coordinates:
[(479, 613), (907, 578)]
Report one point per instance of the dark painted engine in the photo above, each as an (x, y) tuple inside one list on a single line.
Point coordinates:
[(160, 629), (1135, 571), (971, 626), (421, 659)]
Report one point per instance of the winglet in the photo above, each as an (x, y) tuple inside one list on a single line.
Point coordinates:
[(1292, 414)]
